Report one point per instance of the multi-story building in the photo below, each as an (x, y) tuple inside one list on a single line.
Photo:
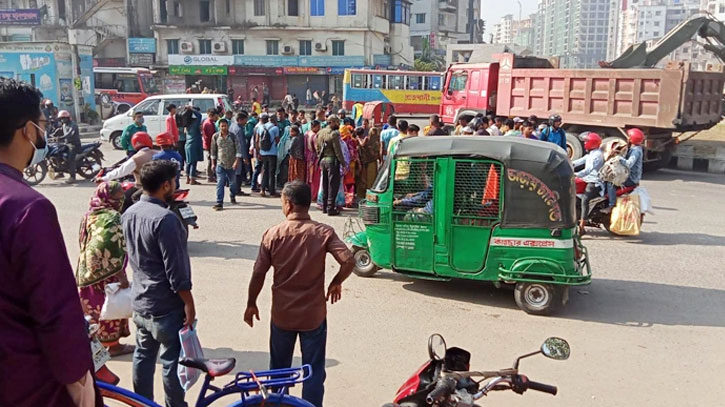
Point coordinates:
[(438, 23), (289, 46), (576, 31), (503, 31)]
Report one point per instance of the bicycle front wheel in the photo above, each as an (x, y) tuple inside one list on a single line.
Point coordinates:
[(274, 400), (117, 397)]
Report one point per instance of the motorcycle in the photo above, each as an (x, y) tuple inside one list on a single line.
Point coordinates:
[(446, 381), (88, 162), (597, 216), (178, 204)]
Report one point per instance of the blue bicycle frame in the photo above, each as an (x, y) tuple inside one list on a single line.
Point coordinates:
[(278, 381)]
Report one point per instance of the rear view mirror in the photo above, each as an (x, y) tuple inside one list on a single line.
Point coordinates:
[(437, 347), (556, 348)]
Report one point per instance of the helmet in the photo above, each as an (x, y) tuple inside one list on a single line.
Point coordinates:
[(342, 111), (635, 136), (591, 140), (164, 139), (554, 118), (48, 102), (141, 139), (63, 114)]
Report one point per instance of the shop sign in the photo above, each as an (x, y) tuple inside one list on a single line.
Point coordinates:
[(266, 60), (140, 59), (332, 61), (194, 60), (20, 16), (141, 45), (197, 70), (109, 62), (301, 70), (238, 70)]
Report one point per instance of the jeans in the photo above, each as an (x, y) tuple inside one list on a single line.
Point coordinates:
[(283, 174), (224, 176), (209, 170), (191, 169), (72, 164), (591, 191), (612, 191), (269, 162), (256, 172), (158, 336), (181, 148), (330, 182), (313, 344)]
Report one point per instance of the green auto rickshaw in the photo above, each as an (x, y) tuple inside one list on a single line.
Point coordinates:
[(498, 209)]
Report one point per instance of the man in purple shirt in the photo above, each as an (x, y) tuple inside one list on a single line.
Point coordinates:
[(45, 356)]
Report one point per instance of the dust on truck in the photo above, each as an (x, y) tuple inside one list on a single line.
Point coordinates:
[(607, 101)]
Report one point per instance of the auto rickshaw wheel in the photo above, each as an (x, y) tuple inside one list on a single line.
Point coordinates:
[(538, 298), (364, 266)]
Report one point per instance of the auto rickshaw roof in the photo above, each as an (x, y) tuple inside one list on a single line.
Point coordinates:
[(503, 149)]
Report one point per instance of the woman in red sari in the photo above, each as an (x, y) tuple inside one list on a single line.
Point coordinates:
[(313, 167), (348, 179)]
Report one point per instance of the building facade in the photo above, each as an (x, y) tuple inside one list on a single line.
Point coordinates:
[(438, 23), (287, 46), (576, 31)]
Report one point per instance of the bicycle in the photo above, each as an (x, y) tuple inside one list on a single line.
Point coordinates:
[(271, 386)]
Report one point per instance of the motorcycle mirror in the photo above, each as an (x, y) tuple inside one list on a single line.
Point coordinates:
[(437, 347), (556, 348)]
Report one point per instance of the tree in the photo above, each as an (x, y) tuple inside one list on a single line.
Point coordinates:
[(428, 61)]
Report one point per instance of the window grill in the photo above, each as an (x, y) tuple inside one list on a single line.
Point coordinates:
[(413, 190), (477, 193)]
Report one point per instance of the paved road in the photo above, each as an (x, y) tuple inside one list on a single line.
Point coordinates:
[(648, 331)]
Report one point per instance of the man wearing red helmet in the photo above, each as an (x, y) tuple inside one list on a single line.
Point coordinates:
[(141, 142), (633, 161), (593, 161), (168, 152)]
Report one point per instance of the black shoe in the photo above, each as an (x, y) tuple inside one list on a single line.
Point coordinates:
[(70, 181), (218, 207), (233, 201), (241, 193), (333, 212), (324, 210), (255, 190)]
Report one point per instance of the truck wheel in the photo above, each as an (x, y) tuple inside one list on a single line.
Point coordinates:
[(116, 140), (573, 146), (538, 298), (663, 162), (364, 266)]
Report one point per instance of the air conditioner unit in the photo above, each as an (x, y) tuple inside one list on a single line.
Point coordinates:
[(287, 50), (187, 47), (219, 47), (320, 46)]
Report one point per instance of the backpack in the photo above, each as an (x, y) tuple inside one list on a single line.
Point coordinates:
[(614, 171), (265, 140)]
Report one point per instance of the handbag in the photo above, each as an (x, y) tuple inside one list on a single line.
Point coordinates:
[(118, 304), (626, 216), (190, 348)]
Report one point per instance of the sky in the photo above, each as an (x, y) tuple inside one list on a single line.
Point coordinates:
[(493, 10)]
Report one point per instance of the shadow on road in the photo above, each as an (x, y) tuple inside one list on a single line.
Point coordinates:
[(222, 250), (254, 360), (677, 239), (617, 302), (685, 176), (241, 204)]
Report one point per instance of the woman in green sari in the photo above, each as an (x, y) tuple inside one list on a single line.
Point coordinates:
[(103, 261)]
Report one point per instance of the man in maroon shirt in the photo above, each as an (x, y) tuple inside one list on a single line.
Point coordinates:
[(297, 248), (45, 356), (208, 128)]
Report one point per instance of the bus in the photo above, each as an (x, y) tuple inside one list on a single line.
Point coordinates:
[(124, 86), (410, 92)]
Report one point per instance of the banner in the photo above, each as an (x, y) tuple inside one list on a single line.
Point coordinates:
[(141, 45), (197, 70), (201, 60), (18, 16)]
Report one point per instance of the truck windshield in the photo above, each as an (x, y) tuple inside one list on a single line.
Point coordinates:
[(458, 81)]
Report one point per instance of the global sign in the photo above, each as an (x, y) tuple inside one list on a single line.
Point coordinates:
[(196, 60)]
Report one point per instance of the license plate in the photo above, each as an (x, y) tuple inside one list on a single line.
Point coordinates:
[(186, 212), (100, 354)]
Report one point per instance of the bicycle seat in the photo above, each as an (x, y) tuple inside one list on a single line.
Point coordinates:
[(212, 367)]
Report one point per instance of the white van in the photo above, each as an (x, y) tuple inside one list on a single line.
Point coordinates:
[(154, 113)]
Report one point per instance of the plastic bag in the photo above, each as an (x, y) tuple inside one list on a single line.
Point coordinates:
[(118, 304), (626, 216), (645, 203), (190, 348)]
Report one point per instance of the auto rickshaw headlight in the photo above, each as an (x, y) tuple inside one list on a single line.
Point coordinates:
[(371, 197)]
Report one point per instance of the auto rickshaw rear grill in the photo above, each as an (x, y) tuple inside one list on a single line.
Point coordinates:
[(477, 193), (370, 215)]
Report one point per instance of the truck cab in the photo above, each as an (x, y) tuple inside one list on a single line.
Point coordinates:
[(468, 89)]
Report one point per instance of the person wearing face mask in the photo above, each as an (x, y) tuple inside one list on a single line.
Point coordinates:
[(163, 303), (72, 138), (45, 354), (130, 130)]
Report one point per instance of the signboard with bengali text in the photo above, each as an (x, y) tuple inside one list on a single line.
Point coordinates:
[(197, 70), (20, 16)]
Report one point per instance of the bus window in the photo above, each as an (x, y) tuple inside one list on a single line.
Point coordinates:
[(149, 84), (359, 80), (432, 83), (458, 82), (415, 83), (126, 83), (378, 82), (104, 81), (395, 81)]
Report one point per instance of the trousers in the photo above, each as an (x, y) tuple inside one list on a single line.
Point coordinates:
[(330, 182)]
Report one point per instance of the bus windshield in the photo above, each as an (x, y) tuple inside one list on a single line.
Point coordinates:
[(149, 84)]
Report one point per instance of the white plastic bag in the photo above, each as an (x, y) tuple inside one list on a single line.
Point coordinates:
[(118, 304), (645, 203), (190, 348)]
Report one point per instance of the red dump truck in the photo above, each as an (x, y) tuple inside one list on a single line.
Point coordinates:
[(608, 101)]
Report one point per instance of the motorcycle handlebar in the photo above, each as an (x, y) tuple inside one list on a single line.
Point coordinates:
[(545, 388), (442, 389)]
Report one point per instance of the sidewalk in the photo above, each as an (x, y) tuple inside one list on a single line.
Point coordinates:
[(705, 152)]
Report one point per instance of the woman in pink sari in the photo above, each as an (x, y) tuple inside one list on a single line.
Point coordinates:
[(313, 167)]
